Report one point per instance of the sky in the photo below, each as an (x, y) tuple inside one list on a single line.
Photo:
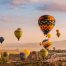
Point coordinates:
[(24, 14)]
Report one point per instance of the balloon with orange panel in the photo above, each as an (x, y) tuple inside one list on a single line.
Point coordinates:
[(46, 23), (46, 43)]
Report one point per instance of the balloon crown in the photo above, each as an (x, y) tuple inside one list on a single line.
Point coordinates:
[(18, 28)]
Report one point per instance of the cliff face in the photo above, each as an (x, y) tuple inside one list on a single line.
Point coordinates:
[(59, 45), (57, 51)]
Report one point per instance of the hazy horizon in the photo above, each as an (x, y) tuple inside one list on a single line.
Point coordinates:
[(32, 46)]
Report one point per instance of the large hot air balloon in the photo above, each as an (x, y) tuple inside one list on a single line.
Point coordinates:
[(1, 39), (22, 56), (58, 33), (46, 23), (44, 53), (46, 43), (18, 33)]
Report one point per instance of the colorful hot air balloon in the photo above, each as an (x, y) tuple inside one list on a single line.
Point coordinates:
[(22, 56), (46, 43), (18, 33), (46, 23), (58, 33), (1, 39), (44, 53), (27, 53)]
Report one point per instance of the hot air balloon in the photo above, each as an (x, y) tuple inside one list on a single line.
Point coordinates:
[(27, 52), (46, 43), (43, 53), (1, 39), (18, 33), (57, 30), (22, 56), (33, 52), (49, 36), (58, 33), (46, 23)]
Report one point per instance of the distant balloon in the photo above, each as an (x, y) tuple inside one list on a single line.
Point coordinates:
[(33, 52), (46, 43), (44, 53), (22, 56), (57, 30), (49, 35), (1, 39), (46, 23), (58, 33), (18, 33)]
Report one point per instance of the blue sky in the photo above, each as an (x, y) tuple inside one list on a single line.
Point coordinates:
[(25, 14)]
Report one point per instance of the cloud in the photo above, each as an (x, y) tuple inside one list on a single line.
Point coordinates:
[(24, 2), (47, 5), (52, 7), (19, 2), (11, 19)]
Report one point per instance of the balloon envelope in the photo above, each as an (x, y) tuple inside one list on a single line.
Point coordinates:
[(44, 53), (58, 33), (57, 30), (27, 53), (22, 56), (1, 39), (49, 35), (33, 52), (46, 23), (18, 33), (46, 43)]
